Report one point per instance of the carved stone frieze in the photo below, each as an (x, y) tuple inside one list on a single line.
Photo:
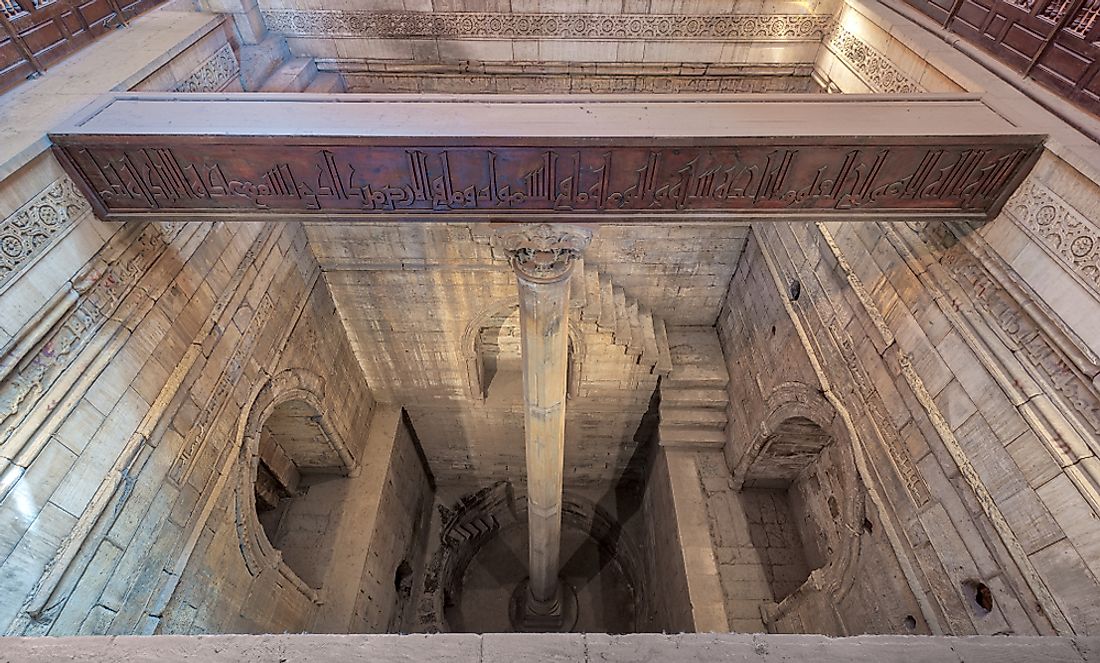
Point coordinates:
[(26, 233), (543, 252), (873, 68), (101, 292), (895, 447), (545, 25), (1021, 329), (576, 83), (203, 426), (214, 74), (1064, 232)]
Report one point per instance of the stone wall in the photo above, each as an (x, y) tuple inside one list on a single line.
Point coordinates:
[(965, 479), (804, 506), (414, 298), (672, 609)]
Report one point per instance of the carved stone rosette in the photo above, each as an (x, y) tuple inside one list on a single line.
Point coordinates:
[(543, 253)]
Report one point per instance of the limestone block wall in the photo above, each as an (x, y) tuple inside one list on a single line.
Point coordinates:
[(317, 360), (414, 297), (801, 550), (988, 333), (130, 355), (970, 475), (664, 560)]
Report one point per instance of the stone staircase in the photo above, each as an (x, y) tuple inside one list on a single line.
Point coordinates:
[(693, 394), (270, 67), (631, 326), (301, 75)]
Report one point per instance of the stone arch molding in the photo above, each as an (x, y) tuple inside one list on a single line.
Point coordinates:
[(786, 401), (797, 400), (475, 380), (290, 385)]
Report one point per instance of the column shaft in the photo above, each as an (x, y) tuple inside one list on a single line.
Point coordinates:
[(544, 339)]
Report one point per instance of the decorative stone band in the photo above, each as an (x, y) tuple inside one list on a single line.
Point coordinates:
[(1061, 230), (543, 253), (567, 78), (873, 68), (489, 25), (27, 233), (214, 74)]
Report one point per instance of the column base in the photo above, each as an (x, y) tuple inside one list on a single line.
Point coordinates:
[(526, 618)]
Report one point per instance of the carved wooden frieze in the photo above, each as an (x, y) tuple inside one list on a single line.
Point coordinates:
[(526, 178)]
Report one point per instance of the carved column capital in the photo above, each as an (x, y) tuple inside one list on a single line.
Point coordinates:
[(543, 253)]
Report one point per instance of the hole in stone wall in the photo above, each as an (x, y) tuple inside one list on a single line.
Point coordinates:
[(981, 597), (868, 526), (910, 623), (402, 577), (773, 330), (794, 289)]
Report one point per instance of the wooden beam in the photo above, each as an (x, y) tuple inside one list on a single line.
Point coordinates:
[(591, 158)]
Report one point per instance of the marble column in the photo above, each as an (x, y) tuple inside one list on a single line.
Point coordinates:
[(543, 257)]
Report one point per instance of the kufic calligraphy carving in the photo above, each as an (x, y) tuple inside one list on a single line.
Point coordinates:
[(529, 181)]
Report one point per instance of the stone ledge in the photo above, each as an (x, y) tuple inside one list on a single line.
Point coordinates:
[(514, 648)]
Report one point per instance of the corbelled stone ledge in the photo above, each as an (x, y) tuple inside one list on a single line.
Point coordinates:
[(519, 648)]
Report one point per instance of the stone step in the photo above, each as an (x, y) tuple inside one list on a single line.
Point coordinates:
[(326, 82), (692, 438), (606, 321), (578, 296), (664, 362), (697, 377), (260, 61), (592, 304), (622, 322), (692, 417), (708, 398), (637, 342), (293, 76), (650, 355), (694, 345)]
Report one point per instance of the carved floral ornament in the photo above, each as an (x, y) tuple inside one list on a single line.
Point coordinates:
[(546, 25), (31, 229), (214, 74), (543, 252)]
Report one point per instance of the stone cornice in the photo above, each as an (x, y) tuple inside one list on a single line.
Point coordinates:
[(491, 25)]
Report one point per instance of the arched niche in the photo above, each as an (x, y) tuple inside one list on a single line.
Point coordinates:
[(799, 468), (290, 480), (490, 347)]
